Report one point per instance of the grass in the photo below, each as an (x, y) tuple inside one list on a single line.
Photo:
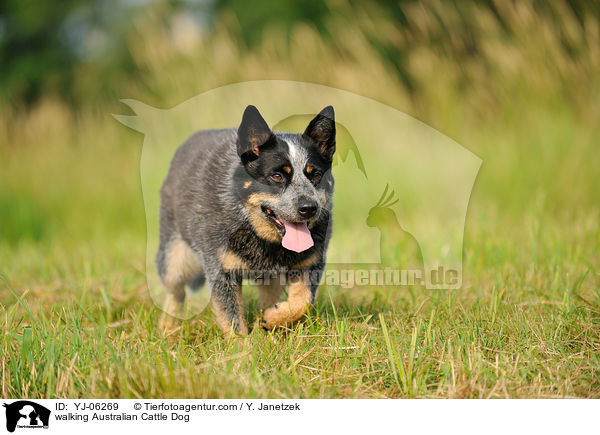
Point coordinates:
[(514, 331), (76, 317)]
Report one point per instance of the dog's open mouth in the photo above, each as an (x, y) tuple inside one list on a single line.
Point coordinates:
[(295, 236), (272, 217)]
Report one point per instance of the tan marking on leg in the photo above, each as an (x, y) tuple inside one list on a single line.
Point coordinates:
[(262, 226), (247, 184), (224, 322), (231, 261), (182, 264), (307, 262), (285, 313), (268, 294)]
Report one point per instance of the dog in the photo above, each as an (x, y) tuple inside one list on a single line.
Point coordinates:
[(249, 200)]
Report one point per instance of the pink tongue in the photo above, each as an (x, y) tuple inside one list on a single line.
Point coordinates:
[(297, 237)]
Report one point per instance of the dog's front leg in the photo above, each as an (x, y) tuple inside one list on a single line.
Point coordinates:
[(269, 292), (301, 294), (226, 291)]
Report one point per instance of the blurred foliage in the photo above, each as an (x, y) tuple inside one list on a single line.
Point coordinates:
[(81, 50), (254, 17), (74, 49), (20, 218), (516, 82), (31, 53)]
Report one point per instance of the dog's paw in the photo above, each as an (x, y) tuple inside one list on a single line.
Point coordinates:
[(278, 315)]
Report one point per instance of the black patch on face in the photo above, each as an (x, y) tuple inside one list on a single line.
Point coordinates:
[(256, 175), (321, 167), (268, 167)]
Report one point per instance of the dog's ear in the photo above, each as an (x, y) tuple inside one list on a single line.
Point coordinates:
[(253, 133), (321, 130)]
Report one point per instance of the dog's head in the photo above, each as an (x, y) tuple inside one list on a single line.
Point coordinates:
[(285, 179)]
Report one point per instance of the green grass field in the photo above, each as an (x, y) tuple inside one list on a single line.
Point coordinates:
[(76, 317), (84, 326)]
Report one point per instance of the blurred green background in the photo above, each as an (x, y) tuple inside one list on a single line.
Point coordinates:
[(516, 82)]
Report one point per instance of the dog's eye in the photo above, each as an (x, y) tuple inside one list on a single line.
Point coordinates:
[(316, 176), (277, 177)]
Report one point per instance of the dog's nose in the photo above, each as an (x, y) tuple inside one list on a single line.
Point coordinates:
[(307, 209)]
